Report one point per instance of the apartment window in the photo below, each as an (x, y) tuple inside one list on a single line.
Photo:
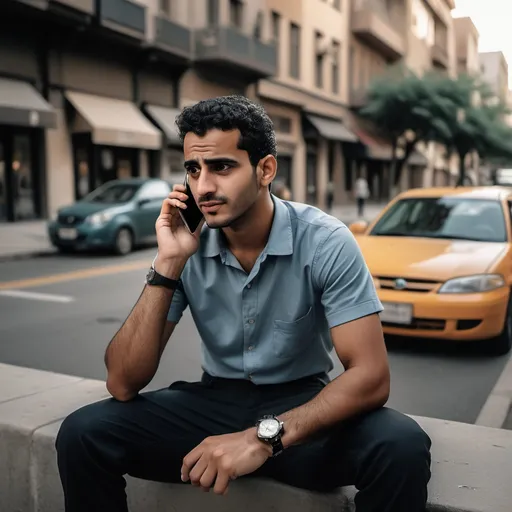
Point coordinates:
[(423, 22), (235, 13), (337, 4), (276, 27), (276, 34), (282, 124), (164, 7), (213, 13), (319, 60), (335, 68), (258, 26), (294, 50), (351, 66)]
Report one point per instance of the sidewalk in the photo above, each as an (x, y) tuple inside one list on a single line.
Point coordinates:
[(24, 240), (348, 212)]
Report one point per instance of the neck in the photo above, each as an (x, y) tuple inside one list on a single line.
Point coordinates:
[(251, 232)]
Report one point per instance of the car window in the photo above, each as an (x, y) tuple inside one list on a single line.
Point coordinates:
[(155, 190), (451, 218), (113, 193)]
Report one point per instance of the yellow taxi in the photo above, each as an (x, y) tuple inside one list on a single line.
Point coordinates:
[(441, 259)]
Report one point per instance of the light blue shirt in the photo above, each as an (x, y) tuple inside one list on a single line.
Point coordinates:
[(272, 325)]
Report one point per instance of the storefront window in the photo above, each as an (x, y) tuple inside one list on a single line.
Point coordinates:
[(3, 185), (23, 185), (83, 173)]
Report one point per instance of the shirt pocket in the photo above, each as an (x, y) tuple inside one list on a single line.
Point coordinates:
[(291, 338)]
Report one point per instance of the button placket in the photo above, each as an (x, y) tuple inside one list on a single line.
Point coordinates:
[(249, 313)]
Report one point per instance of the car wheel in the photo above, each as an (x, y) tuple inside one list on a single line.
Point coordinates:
[(503, 343), (124, 241)]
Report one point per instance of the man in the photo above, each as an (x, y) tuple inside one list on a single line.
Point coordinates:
[(361, 193), (273, 287)]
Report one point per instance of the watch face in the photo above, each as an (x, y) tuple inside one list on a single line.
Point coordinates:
[(269, 428), (150, 274)]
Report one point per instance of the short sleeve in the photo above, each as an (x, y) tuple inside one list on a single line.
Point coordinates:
[(344, 280), (178, 305)]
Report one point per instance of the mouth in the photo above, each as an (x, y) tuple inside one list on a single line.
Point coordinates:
[(210, 206)]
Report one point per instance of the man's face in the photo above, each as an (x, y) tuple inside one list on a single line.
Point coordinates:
[(221, 177)]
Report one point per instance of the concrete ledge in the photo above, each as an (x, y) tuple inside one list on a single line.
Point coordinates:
[(471, 464)]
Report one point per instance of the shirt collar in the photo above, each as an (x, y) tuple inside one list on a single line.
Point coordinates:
[(280, 241)]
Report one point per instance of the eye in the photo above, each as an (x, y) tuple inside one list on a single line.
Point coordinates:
[(191, 170), (220, 167)]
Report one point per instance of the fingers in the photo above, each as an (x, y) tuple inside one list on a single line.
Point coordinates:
[(169, 206), (189, 462), (197, 473), (179, 188), (208, 477), (221, 483)]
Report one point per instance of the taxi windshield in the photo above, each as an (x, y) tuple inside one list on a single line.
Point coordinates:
[(444, 218)]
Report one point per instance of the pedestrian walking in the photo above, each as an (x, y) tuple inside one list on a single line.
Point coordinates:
[(361, 194)]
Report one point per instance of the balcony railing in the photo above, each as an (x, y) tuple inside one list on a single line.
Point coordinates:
[(86, 6), (38, 4), (440, 55), (123, 16), (226, 46), (378, 31), (173, 37)]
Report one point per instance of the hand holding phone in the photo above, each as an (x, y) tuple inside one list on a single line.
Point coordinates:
[(174, 236)]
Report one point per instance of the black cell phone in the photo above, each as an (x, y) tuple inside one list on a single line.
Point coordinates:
[(192, 215)]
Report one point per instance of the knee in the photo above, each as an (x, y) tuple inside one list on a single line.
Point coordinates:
[(404, 443), (82, 424)]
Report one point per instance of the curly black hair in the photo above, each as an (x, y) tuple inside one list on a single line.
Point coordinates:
[(233, 112)]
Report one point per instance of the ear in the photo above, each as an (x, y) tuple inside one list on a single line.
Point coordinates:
[(267, 170)]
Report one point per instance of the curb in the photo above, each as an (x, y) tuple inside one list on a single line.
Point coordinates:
[(27, 255), (498, 405)]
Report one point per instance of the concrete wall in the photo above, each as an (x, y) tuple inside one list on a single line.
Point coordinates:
[(471, 465)]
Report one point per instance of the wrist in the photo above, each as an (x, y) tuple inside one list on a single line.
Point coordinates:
[(259, 445), (169, 267)]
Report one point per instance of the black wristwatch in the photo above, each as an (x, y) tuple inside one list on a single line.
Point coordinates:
[(269, 430), (153, 278)]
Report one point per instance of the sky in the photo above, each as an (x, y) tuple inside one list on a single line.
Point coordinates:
[(492, 21)]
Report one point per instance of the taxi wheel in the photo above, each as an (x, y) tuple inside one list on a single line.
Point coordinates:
[(503, 343), (124, 242)]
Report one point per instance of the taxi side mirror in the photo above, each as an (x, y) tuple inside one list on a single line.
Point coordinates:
[(359, 227)]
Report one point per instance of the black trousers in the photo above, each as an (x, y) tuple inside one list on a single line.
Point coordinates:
[(385, 454), (360, 206)]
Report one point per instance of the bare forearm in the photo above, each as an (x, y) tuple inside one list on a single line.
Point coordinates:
[(133, 355), (353, 392)]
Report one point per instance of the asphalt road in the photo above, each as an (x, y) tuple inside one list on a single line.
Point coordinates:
[(86, 298)]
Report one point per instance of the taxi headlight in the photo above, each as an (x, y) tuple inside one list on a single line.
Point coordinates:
[(473, 284)]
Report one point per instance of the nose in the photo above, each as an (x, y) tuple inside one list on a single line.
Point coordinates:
[(205, 184)]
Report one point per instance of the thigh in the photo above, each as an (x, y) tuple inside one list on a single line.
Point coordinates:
[(341, 455), (149, 436)]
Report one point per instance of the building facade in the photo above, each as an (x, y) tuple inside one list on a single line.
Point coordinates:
[(467, 41), (89, 89), (307, 96), (494, 69)]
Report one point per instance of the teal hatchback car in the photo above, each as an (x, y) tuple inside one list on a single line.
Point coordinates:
[(118, 216)]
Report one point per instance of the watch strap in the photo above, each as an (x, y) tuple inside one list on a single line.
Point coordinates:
[(155, 279), (277, 445)]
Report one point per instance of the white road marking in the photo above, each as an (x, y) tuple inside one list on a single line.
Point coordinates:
[(45, 297)]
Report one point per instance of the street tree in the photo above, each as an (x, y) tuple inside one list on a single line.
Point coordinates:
[(405, 107), (475, 118), (463, 114)]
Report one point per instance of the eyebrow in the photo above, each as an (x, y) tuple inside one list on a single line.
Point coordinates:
[(210, 161)]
